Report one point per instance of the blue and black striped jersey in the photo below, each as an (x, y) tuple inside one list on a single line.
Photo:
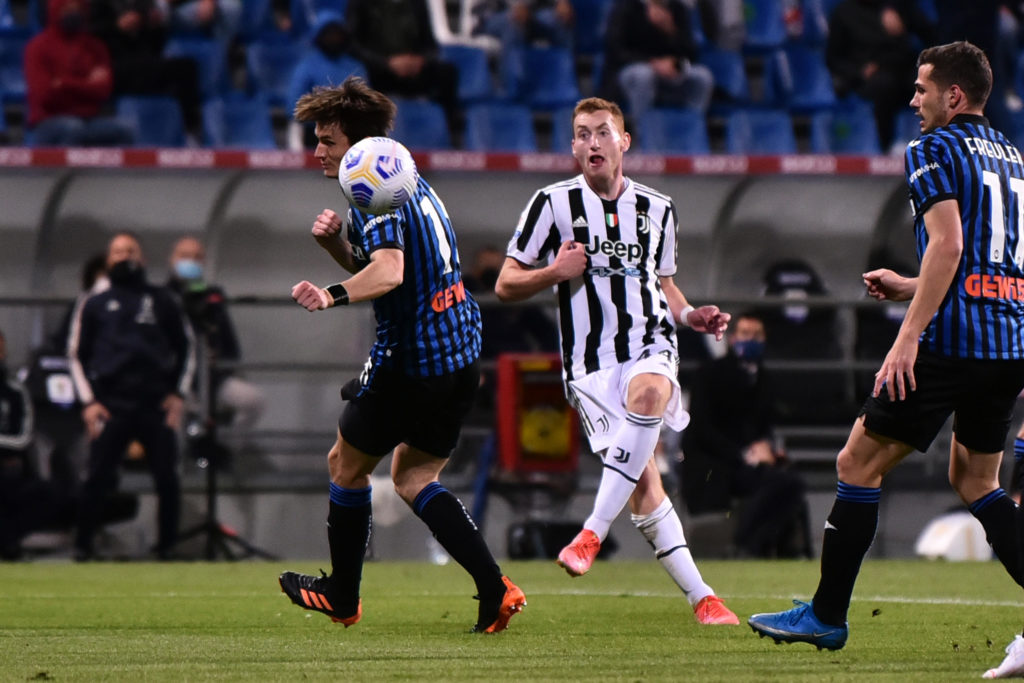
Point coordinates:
[(429, 325), (982, 315)]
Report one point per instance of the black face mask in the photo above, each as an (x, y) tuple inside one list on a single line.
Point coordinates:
[(126, 272)]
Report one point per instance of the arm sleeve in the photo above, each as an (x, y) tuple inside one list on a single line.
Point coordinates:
[(380, 232), (531, 243), (182, 342), (929, 172), (79, 346), (667, 250)]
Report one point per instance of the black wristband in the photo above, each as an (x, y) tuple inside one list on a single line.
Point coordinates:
[(338, 293)]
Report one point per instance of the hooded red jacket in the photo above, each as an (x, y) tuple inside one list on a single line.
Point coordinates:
[(66, 74)]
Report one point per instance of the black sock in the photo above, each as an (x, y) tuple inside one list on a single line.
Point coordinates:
[(455, 530), (348, 533), (848, 534), (998, 514)]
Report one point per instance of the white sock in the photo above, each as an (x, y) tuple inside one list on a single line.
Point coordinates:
[(624, 462), (664, 532)]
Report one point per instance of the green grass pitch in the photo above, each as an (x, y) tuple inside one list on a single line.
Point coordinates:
[(624, 621)]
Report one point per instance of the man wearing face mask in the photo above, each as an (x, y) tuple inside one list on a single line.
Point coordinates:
[(131, 361), (729, 454), (206, 307), (69, 82)]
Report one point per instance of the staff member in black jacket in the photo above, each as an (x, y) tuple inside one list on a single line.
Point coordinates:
[(132, 361)]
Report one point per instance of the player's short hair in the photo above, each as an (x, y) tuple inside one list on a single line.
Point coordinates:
[(595, 104), (359, 110), (961, 64)]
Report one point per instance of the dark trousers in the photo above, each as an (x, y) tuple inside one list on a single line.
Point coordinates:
[(105, 454)]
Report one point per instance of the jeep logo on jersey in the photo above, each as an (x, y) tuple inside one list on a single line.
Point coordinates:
[(622, 250)]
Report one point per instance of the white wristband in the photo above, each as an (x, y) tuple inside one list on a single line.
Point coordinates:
[(682, 316)]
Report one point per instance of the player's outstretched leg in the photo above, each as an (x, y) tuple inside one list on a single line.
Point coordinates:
[(799, 625), (315, 593), (1013, 664)]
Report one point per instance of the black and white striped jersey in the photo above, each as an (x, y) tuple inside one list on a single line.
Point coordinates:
[(617, 307)]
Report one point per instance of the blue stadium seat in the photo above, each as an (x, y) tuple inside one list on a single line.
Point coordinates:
[(766, 29), (541, 77), (730, 74), (500, 127), (211, 60), (759, 131), (806, 83), (29, 19), (561, 129), (475, 82), (844, 130), (673, 131), (271, 64), (907, 127), (815, 23), (12, 66), (421, 124), (155, 120), (590, 17), (238, 122)]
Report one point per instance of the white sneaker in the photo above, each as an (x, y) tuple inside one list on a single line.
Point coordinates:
[(1013, 665)]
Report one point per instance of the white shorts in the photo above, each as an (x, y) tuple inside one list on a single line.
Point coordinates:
[(600, 397)]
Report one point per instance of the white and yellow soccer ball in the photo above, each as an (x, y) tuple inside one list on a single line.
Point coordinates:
[(377, 175)]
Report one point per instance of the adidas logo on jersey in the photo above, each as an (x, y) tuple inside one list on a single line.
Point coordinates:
[(580, 222)]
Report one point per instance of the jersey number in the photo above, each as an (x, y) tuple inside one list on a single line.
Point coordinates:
[(443, 246), (997, 245)]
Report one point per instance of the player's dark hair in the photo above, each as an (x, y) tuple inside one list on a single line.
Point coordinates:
[(359, 110), (961, 64), (595, 104), (92, 269)]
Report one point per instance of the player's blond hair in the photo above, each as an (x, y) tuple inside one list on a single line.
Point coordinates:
[(595, 104)]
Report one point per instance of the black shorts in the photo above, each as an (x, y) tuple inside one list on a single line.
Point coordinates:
[(980, 394), (393, 408)]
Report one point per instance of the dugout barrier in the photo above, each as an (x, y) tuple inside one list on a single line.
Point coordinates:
[(254, 212)]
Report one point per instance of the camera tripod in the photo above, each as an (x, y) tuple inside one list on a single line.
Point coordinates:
[(221, 540)]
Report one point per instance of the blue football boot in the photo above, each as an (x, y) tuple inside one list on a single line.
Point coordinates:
[(799, 625)]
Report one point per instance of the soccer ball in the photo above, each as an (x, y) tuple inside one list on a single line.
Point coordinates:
[(377, 175)]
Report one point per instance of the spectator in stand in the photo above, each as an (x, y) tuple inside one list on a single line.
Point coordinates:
[(872, 52), (396, 42), (327, 61), (518, 23), (651, 57), (729, 455), (135, 32), (69, 82), (216, 18), (207, 310)]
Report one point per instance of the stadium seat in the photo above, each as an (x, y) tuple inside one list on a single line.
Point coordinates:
[(908, 127), (211, 60), (844, 130), (475, 82), (500, 128), (561, 129), (541, 77), (815, 23), (12, 66), (730, 75), (805, 83), (29, 19), (755, 131), (421, 124), (238, 122), (271, 64), (155, 120), (766, 29), (590, 17), (673, 131)]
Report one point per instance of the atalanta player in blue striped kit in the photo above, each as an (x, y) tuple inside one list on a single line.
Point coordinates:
[(419, 381), (960, 347)]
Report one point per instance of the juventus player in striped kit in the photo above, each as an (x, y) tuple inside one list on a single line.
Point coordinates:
[(608, 245), (419, 381), (959, 349)]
